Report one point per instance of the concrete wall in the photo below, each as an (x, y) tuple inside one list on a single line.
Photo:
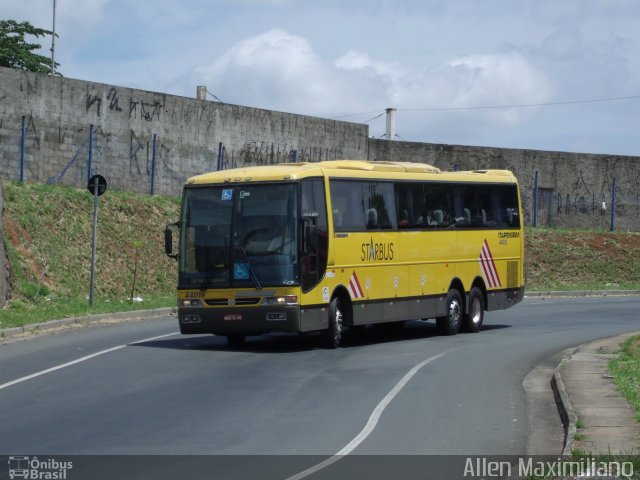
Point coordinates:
[(60, 113)]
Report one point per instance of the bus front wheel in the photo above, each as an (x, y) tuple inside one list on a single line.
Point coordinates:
[(450, 323), (333, 334)]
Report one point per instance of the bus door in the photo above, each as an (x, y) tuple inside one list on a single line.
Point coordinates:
[(314, 235)]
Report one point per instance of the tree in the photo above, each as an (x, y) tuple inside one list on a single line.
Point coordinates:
[(16, 53)]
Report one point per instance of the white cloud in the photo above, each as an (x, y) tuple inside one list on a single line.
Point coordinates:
[(273, 70), (498, 79), (273, 49), (353, 60), (282, 71), (468, 81)]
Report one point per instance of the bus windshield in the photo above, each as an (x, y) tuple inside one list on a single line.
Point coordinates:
[(239, 236)]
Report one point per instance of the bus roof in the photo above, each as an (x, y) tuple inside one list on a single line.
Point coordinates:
[(350, 169)]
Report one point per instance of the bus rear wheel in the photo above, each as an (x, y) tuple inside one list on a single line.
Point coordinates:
[(450, 323), (473, 320), (333, 334)]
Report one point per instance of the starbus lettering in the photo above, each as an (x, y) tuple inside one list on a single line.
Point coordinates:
[(373, 251)]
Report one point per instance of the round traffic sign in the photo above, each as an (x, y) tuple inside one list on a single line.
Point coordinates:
[(99, 182)]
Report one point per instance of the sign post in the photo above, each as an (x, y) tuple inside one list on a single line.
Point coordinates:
[(97, 186)]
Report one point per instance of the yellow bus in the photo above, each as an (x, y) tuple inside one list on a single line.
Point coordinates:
[(321, 247)]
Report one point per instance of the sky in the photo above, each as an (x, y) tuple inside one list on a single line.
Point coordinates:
[(449, 67)]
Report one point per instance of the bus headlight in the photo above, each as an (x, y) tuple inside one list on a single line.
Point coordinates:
[(284, 300), (189, 302)]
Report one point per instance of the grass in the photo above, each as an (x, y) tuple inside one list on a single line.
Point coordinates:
[(48, 238), (48, 233), (625, 370), (22, 313), (581, 260)]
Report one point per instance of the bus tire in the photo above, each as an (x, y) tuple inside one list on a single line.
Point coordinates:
[(473, 320), (450, 323), (235, 340), (333, 334)]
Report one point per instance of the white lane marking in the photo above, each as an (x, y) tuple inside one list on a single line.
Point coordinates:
[(80, 360), (373, 419)]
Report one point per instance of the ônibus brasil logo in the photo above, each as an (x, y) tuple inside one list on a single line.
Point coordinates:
[(37, 469)]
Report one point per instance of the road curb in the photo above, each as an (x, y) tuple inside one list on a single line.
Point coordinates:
[(571, 369), (582, 293), (84, 321), (563, 402)]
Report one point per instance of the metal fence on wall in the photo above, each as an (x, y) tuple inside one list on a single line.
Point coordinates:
[(613, 207), (80, 154), (144, 163)]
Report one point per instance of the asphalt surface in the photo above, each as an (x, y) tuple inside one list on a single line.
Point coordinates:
[(283, 395)]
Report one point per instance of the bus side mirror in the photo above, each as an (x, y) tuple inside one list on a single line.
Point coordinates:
[(168, 240)]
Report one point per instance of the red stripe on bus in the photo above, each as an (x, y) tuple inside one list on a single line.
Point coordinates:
[(495, 270)]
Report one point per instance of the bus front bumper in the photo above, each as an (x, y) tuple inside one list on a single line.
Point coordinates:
[(239, 320)]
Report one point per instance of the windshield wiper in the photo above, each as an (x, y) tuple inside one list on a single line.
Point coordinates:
[(252, 272)]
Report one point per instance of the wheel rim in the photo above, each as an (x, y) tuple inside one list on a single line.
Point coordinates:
[(476, 311), (337, 333), (454, 312)]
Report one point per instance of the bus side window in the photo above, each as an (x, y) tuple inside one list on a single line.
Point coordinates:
[(408, 212), (380, 205), (477, 207), (437, 205), (505, 204)]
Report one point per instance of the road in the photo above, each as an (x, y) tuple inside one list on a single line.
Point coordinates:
[(142, 389)]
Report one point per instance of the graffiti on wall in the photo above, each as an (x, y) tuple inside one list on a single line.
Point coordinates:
[(595, 195), (270, 153), (255, 153), (138, 108), (114, 102)]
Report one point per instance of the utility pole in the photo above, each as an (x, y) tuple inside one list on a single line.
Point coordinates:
[(53, 41)]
